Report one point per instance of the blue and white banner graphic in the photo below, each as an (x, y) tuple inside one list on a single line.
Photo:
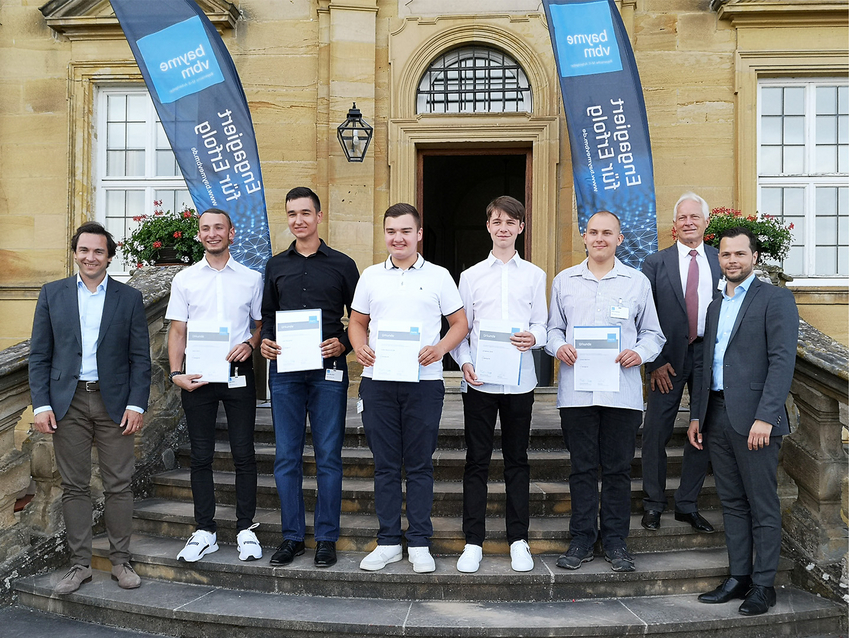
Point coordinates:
[(199, 98), (606, 118)]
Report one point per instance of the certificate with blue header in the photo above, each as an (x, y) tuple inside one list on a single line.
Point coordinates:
[(595, 369), (497, 360), (207, 347), (397, 351), (299, 335)]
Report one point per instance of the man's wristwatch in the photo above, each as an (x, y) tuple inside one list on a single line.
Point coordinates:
[(173, 374)]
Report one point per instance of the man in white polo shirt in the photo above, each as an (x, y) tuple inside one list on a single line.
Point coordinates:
[(502, 287), (402, 419), (222, 291)]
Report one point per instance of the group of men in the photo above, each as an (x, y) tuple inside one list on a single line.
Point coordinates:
[(733, 347)]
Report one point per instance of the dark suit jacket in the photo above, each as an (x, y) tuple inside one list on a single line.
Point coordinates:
[(123, 348), (759, 362), (662, 270)]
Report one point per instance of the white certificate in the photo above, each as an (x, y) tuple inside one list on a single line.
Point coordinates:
[(497, 359), (595, 368), (397, 351), (207, 346), (299, 335)]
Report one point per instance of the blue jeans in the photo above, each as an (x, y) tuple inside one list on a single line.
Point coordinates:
[(294, 396)]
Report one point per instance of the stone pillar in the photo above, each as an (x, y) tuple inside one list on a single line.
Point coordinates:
[(352, 43)]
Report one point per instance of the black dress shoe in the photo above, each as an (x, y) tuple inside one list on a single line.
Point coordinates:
[(287, 551), (325, 553), (759, 599), (729, 589), (695, 520), (651, 520)]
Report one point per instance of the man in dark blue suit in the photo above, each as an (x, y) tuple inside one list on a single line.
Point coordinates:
[(738, 411), (684, 281), (90, 374)]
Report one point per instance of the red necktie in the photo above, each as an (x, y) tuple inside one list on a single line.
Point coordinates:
[(692, 297)]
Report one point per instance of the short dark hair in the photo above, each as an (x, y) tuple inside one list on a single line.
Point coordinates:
[(216, 211), (511, 207), (737, 231), (607, 212), (302, 191), (94, 228), (401, 209)]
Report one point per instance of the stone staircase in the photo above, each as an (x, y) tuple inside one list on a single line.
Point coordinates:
[(222, 596)]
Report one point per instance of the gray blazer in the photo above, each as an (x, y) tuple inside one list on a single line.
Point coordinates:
[(123, 348), (662, 270), (759, 362)]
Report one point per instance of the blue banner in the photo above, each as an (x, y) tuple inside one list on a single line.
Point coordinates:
[(606, 119), (199, 98)]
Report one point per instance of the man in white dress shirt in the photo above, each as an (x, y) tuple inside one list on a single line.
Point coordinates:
[(222, 291), (502, 287), (600, 427)]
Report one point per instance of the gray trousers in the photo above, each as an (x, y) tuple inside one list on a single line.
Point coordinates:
[(85, 422), (746, 485)]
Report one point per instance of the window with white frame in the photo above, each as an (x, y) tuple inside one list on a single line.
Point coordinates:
[(134, 166), (802, 171)]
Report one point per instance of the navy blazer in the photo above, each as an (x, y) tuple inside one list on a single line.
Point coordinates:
[(123, 348), (759, 362), (662, 270)]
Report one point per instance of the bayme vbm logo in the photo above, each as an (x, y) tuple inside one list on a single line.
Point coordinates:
[(585, 39), (180, 60)]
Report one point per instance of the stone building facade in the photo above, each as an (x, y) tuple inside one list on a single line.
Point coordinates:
[(731, 86)]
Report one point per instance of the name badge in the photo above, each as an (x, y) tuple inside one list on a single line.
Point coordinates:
[(333, 375), (620, 312), (463, 386), (359, 406), (237, 382)]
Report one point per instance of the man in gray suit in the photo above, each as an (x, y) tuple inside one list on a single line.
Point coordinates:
[(90, 374), (738, 410), (684, 281)]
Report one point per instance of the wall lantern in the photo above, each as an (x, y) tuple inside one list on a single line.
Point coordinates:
[(354, 135)]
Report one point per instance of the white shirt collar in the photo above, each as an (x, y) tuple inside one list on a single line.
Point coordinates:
[(684, 251), (230, 263), (492, 259), (389, 265), (100, 286)]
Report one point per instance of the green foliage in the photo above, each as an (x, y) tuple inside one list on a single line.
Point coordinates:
[(774, 239), (158, 233)]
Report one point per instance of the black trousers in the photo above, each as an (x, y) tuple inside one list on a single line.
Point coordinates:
[(600, 436), (240, 404), (479, 420), (661, 411)]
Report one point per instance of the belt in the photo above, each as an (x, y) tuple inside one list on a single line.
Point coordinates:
[(89, 386), (718, 394), (696, 341)]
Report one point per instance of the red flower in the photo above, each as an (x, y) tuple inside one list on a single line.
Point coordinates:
[(157, 203), (709, 237), (791, 226), (157, 212), (157, 244), (751, 218), (187, 214), (137, 218), (139, 265), (178, 234)]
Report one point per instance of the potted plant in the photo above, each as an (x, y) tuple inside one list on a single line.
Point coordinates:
[(164, 237), (773, 239)]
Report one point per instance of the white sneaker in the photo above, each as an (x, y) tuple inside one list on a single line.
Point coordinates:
[(380, 557), (199, 545), (422, 560), (521, 560), (470, 559), (248, 545)]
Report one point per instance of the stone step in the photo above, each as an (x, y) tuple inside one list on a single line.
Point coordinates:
[(546, 498), (175, 519), (545, 427), (657, 574), (357, 462), (184, 609)]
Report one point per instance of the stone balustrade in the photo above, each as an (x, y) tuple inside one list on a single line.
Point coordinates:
[(33, 539)]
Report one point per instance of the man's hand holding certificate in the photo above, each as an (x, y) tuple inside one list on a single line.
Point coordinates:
[(397, 351), (207, 347), (498, 360), (299, 337)]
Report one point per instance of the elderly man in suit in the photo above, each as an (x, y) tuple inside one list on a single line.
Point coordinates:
[(90, 373), (738, 411), (684, 281)]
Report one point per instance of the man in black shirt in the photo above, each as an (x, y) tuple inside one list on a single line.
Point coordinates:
[(309, 275)]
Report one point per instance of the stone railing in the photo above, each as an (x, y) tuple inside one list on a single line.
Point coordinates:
[(814, 456), (33, 539)]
